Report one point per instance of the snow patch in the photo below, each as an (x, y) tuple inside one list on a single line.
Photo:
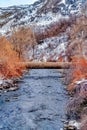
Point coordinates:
[(1, 81), (81, 81), (50, 18), (62, 2)]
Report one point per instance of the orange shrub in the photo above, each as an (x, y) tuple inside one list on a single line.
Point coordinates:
[(8, 60), (80, 70)]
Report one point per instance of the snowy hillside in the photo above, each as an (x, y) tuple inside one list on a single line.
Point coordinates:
[(41, 12), (41, 15)]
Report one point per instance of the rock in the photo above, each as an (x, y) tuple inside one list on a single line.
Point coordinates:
[(75, 124), (72, 125), (13, 88), (8, 85), (68, 127), (7, 100)]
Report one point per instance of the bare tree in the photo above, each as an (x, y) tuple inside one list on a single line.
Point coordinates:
[(23, 38)]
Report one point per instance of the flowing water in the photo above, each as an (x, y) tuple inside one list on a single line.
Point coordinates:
[(38, 104)]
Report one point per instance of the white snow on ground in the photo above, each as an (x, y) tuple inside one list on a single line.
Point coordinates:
[(27, 14), (75, 123), (45, 21), (50, 49), (50, 18), (1, 81), (6, 28), (7, 85), (81, 81), (62, 1)]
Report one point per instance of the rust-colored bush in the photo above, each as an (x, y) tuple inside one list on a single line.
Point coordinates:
[(79, 72), (8, 60)]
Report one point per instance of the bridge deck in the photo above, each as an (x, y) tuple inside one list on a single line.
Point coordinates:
[(46, 65)]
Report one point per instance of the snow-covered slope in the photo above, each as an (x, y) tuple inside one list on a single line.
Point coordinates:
[(41, 12), (49, 50)]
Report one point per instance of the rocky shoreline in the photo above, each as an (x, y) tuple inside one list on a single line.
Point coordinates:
[(8, 85), (77, 105)]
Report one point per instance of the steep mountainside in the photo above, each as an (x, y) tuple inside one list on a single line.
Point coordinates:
[(41, 12), (43, 15)]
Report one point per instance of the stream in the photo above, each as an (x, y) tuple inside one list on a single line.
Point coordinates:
[(38, 104)]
